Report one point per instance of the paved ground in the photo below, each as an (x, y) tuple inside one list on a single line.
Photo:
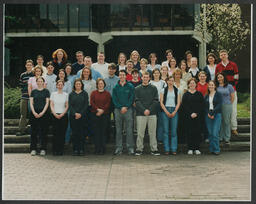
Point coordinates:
[(181, 177)]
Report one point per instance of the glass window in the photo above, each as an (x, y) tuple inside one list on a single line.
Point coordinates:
[(63, 20), (53, 17), (84, 17), (73, 17)]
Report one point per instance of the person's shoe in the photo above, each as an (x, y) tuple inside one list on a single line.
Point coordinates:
[(131, 152), (216, 153), (227, 142), (118, 152), (174, 153), (166, 153), (197, 152), (42, 152), (234, 132), (138, 153), (155, 153), (207, 141), (75, 153), (190, 152), (33, 153)]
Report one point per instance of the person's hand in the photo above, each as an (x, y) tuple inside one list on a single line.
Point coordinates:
[(172, 114), (78, 115), (210, 116), (57, 116), (193, 115), (99, 112), (36, 115), (123, 110), (146, 112)]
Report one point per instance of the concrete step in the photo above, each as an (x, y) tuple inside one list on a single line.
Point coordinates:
[(243, 128), (24, 148), (242, 137), (243, 121)]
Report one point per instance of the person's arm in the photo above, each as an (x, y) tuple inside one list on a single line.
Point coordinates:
[(163, 106), (71, 105), (115, 98), (236, 74), (155, 101), (93, 100), (85, 106), (201, 104), (29, 87), (218, 105), (66, 108), (131, 96), (45, 107), (107, 102), (52, 107), (32, 107), (139, 106)]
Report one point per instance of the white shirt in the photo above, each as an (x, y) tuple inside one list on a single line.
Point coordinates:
[(101, 68), (59, 101), (212, 71), (193, 70), (211, 102), (165, 63), (159, 85)]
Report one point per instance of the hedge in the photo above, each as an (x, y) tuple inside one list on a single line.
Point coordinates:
[(12, 102)]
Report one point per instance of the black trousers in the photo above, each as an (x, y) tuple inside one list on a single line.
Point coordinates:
[(193, 133), (100, 126), (78, 133), (59, 131), (39, 127)]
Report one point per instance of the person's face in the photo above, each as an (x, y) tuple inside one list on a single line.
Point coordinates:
[(170, 82), (193, 62), (143, 65), (135, 56), (211, 86), (145, 79), (111, 71), (50, 69), (86, 73), (173, 62), (29, 67), (169, 56), (192, 84), (79, 57), (189, 56), (135, 75), (183, 66), (177, 75), (101, 85), (202, 78), (87, 62), (61, 75), (122, 76), (38, 72), (153, 58), (40, 61), (59, 85), (129, 66), (60, 55), (211, 60), (220, 78), (40, 82), (68, 70), (78, 86), (156, 75), (122, 59), (164, 71), (101, 57), (223, 56)]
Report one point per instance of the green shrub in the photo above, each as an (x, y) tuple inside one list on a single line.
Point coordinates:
[(12, 102), (242, 97)]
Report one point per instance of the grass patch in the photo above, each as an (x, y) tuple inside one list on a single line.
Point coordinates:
[(243, 109)]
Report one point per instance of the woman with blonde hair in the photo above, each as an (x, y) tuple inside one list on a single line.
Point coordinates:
[(59, 58), (121, 61), (164, 72), (185, 74), (135, 57), (143, 67), (37, 71)]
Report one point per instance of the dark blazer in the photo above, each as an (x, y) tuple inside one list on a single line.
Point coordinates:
[(217, 103), (208, 75)]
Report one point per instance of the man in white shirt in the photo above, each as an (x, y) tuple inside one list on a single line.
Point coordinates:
[(169, 56), (101, 66)]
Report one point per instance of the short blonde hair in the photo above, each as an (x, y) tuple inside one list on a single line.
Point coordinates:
[(37, 67), (133, 52), (144, 60), (177, 71)]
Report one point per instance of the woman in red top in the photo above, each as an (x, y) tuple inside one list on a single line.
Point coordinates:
[(202, 85), (100, 101)]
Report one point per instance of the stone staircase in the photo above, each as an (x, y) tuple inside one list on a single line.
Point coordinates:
[(20, 144)]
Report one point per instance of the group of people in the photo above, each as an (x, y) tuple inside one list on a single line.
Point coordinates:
[(177, 104)]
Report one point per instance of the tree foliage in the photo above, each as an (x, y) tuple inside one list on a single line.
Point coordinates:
[(224, 22)]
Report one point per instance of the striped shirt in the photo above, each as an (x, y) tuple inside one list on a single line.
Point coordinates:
[(23, 83)]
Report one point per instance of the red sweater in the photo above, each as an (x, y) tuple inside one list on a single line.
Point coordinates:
[(202, 88), (100, 100), (230, 70)]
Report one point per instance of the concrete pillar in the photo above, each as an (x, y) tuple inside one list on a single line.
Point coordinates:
[(202, 54), (100, 39)]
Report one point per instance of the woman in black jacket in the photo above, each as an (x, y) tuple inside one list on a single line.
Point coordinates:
[(213, 103)]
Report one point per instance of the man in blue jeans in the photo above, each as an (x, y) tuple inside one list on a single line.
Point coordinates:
[(123, 97)]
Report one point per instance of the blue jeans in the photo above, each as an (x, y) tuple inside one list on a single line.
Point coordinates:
[(170, 124), (213, 126)]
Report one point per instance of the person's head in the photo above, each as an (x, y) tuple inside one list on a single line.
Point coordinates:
[(177, 74), (223, 55), (29, 65), (87, 61), (121, 58), (211, 86), (61, 75), (164, 71), (152, 57), (40, 60), (156, 74), (40, 81), (135, 56), (221, 79), (143, 63), (129, 65), (101, 57), (192, 83), (49, 67), (68, 69), (211, 58), (172, 63), (135, 74), (78, 85), (122, 75), (86, 74), (59, 55), (202, 76), (188, 55), (38, 71), (145, 78), (183, 65), (193, 62), (111, 69), (100, 84), (170, 81), (60, 84), (79, 56), (169, 54)]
